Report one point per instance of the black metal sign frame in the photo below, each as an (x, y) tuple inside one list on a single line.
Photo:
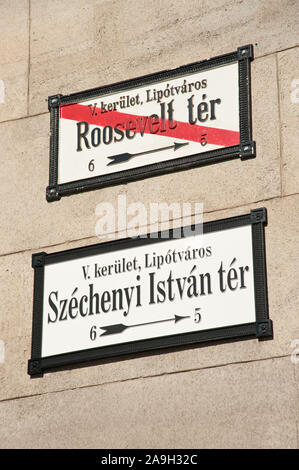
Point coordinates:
[(245, 149), (261, 328)]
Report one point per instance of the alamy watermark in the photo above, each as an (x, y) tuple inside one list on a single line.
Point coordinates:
[(133, 219)]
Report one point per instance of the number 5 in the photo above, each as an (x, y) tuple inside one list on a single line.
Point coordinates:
[(197, 315)]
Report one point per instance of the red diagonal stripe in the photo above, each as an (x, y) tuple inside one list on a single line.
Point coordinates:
[(183, 130)]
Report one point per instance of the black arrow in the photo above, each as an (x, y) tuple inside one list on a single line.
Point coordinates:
[(120, 327), (125, 157)]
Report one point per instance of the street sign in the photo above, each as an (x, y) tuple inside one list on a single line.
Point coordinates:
[(150, 293), (168, 121)]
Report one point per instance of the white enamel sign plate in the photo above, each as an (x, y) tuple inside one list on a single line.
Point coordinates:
[(203, 282)]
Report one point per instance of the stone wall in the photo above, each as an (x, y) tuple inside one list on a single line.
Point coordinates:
[(236, 394)]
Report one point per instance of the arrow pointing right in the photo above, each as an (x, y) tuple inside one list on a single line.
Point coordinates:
[(120, 327)]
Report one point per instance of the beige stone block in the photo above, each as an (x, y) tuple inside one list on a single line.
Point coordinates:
[(235, 182), (16, 293), (13, 90), (289, 108), (14, 30), (14, 46), (27, 219), (251, 405), (96, 42)]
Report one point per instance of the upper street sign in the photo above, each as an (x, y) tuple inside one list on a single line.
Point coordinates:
[(167, 121)]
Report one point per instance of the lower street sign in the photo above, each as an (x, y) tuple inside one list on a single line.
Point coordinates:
[(163, 290)]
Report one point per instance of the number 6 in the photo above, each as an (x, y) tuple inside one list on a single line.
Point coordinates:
[(91, 165)]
